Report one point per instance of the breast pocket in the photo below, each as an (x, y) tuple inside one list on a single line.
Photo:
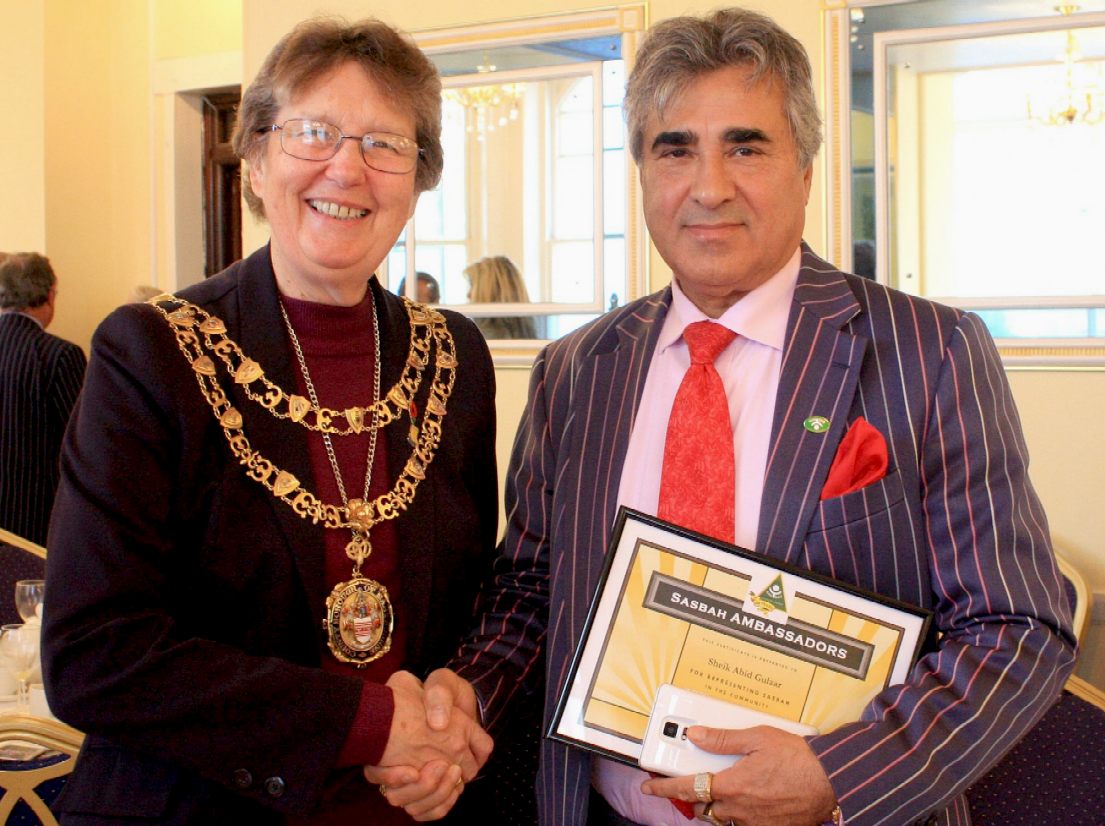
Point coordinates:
[(867, 538), (863, 504)]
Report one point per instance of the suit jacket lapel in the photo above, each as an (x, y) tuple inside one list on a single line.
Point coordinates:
[(821, 365), (255, 323), (605, 399)]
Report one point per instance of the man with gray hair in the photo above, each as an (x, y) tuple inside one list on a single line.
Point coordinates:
[(40, 377), (769, 400)]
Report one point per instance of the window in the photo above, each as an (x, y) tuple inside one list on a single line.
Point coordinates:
[(441, 219), (958, 188), (572, 185), (535, 173)]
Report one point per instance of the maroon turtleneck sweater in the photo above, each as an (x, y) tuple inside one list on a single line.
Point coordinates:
[(339, 348)]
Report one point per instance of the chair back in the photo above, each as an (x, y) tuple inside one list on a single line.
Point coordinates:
[(1056, 774), (19, 559), (1078, 593), (30, 786)]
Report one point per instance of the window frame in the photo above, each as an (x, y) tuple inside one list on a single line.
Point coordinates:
[(629, 23), (1061, 353)]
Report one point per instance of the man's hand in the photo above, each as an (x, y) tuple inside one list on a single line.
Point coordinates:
[(778, 782), (445, 691), (435, 746), (457, 737)]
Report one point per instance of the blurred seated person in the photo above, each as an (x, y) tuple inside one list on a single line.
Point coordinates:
[(40, 378), (426, 292), (495, 279)]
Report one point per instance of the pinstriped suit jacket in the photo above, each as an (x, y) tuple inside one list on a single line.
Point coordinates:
[(955, 526), (40, 378)]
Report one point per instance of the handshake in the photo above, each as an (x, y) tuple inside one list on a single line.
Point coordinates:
[(435, 746)]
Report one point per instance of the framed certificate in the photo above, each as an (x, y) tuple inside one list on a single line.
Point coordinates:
[(676, 607)]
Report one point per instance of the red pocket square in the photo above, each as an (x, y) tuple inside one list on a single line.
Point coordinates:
[(859, 461)]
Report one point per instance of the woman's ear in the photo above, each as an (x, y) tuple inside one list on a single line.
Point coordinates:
[(256, 175)]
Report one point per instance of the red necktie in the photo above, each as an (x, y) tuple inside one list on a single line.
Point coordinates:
[(698, 481)]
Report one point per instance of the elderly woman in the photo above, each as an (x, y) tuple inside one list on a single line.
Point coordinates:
[(279, 489)]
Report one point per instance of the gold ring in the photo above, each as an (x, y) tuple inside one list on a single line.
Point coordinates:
[(703, 787), (709, 816), (383, 790)]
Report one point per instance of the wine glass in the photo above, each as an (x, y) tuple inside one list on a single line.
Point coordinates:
[(19, 651), (29, 594)]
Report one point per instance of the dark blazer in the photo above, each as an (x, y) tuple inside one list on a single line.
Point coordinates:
[(954, 526), (40, 378), (184, 603)]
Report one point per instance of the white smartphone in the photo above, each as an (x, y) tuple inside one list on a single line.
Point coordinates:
[(666, 749)]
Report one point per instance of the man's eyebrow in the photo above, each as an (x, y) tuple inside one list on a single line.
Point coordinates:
[(742, 134), (676, 137)]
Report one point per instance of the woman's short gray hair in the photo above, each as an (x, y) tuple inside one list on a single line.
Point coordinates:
[(316, 47), (26, 279), (677, 50)]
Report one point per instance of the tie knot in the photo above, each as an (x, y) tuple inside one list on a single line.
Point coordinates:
[(706, 340)]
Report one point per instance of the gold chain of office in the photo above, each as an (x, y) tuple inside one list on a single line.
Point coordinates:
[(198, 332), (426, 324)]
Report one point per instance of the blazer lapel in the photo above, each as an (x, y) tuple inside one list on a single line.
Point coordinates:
[(820, 371), (607, 392), (415, 526), (255, 322)]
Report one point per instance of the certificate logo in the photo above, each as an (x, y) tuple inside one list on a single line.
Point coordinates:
[(768, 598)]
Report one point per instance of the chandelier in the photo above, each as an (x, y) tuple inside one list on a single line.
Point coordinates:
[(488, 107), (1078, 101)]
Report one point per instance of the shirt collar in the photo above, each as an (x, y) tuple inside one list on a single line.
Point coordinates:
[(25, 315), (759, 316)]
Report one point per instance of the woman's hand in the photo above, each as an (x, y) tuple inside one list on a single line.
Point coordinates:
[(425, 795)]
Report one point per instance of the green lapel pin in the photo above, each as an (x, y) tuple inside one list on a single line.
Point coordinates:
[(816, 424)]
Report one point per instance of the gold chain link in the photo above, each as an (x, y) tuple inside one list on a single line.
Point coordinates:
[(246, 372), (357, 515)]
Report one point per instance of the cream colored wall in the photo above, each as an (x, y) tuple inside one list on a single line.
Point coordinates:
[(909, 132), (22, 155), (190, 28), (498, 231), (1061, 416), (97, 150), (78, 172)]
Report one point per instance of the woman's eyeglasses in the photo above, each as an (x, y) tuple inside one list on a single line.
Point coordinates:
[(314, 140)]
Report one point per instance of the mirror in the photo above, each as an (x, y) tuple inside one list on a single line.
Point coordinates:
[(970, 172), (533, 229)]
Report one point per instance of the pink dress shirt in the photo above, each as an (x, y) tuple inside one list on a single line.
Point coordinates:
[(749, 369)]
